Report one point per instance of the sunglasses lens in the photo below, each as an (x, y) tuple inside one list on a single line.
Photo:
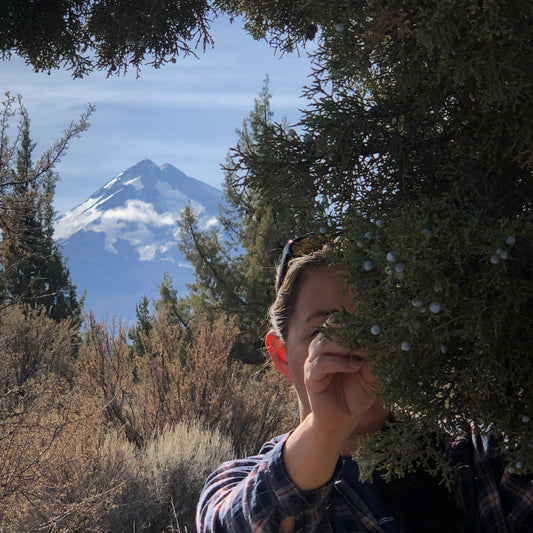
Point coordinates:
[(300, 246)]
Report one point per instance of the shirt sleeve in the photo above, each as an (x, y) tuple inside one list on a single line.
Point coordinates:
[(256, 494)]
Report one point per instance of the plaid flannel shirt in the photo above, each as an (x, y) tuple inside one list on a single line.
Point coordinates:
[(255, 494)]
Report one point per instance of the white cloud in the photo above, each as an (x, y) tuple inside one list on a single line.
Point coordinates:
[(207, 223), (138, 236), (149, 251), (140, 212)]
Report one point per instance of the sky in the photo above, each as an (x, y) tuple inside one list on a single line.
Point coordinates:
[(184, 114)]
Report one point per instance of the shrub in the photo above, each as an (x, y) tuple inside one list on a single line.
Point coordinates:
[(106, 378), (36, 364), (127, 442), (169, 475), (31, 344), (55, 473), (248, 403)]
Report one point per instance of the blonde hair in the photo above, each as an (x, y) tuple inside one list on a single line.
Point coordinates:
[(281, 310)]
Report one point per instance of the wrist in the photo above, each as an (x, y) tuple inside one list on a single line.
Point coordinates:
[(331, 429), (325, 434), (311, 454)]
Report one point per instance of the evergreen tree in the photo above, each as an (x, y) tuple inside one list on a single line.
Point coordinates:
[(419, 139), (84, 35), (418, 142), (176, 308), (33, 271), (142, 327), (235, 269), (217, 283)]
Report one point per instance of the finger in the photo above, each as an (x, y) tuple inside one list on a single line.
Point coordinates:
[(332, 342), (333, 363), (321, 345)]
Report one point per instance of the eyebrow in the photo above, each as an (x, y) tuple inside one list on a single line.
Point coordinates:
[(320, 313)]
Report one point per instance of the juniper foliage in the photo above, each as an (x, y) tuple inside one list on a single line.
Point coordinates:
[(419, 140), (117, 35)]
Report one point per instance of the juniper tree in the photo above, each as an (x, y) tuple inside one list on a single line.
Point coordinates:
[(142, 327), (419, 138), (86, 35), (418, 141)]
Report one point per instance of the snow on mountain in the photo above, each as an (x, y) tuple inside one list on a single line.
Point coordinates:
[(121, 240)]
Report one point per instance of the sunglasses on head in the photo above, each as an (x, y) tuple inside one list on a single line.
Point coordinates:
[(300, 246)]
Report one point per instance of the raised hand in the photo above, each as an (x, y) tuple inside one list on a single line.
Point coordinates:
[(340, 385)]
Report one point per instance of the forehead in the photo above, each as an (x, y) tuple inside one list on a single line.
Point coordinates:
[(322, 290)]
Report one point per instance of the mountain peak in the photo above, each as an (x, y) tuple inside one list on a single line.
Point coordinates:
[(132, 221), (146, 166), (142, 194), (143, 164)]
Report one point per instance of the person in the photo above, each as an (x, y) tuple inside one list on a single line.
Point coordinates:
[(307, 480)]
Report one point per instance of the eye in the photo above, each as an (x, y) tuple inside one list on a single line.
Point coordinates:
[(314, 333)]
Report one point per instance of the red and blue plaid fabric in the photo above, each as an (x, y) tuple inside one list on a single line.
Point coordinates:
[(256, 494), (495, 500)]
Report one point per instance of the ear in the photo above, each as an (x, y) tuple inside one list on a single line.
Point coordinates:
[(278, 353)]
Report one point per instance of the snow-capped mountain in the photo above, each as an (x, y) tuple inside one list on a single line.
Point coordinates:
[(120, 241)]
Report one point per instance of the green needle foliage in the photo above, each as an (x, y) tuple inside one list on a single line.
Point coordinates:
[(419, 139), (116, 35), (108, 35), (32, 268)]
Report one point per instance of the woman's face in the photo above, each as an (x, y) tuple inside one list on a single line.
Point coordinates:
[(322, 292)]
